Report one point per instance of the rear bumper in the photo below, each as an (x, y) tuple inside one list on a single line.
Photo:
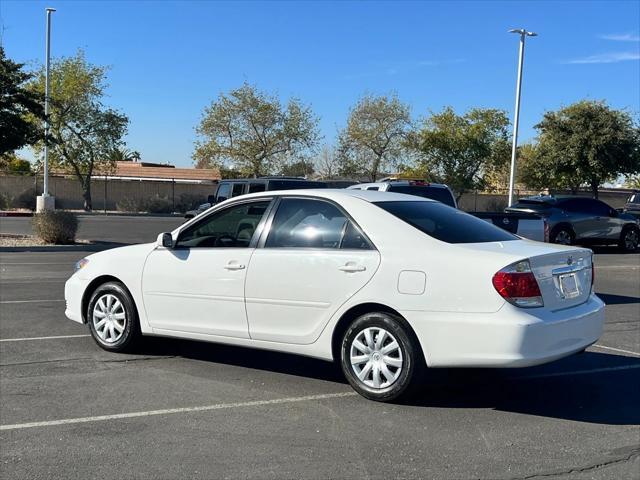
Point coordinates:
[(511, 337)]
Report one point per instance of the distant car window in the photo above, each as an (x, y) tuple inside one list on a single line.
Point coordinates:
[(587, 206), (308, 223), (224, 192), (435, 193), (635, 198), (373, 188), (238, 189), (294, 184), (257, 187), (445, 223), (232, 227), (532, 205)]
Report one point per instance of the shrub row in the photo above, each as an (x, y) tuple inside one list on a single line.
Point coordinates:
[(56, 226)]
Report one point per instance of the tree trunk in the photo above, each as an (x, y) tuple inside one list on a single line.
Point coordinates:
[(86, 193), (594, 187)]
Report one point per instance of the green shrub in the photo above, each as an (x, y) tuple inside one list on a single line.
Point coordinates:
[(129, 204), (158, 204), (189, 201), (5, 201), (57, 226), (26, 199)]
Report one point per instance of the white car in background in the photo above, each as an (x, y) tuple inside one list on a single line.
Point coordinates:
[(386, 284)]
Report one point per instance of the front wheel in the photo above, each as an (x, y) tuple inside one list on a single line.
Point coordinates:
[(112, 318), (379, 358), (629, 239)]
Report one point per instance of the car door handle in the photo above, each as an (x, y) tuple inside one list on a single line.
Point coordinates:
[(234, 266), (352, 268)]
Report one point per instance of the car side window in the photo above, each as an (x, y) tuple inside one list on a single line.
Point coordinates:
[(308, 223), (257, 187), (224, 192), (238, 189), (232, 227)]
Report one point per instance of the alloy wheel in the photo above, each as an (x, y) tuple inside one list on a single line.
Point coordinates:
[(109, 318), (563, 238), (376, 357), (631, 240)]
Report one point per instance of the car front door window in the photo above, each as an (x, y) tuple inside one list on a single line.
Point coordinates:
[(232, 227)]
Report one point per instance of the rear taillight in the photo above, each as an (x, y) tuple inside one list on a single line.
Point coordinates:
[(518, 286)]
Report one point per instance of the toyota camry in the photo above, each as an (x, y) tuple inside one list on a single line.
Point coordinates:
[(386, 284)]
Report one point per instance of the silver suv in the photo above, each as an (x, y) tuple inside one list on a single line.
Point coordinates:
[(583, 220), (435, 191)]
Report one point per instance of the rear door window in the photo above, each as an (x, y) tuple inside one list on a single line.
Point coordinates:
[(238, 189), (445, 223), (310, 223)]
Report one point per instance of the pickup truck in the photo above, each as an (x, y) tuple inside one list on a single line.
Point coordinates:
[(525, 225)]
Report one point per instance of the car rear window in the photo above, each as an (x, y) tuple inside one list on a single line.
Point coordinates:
[(445, 223), (435, 193), (532, 205)]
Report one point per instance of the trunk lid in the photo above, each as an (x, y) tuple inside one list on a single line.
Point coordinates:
[(563, 273)]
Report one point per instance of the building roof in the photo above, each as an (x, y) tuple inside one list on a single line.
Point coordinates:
[(164, 172)]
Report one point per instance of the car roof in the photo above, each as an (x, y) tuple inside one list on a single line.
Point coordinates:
[(337, 194), (266, 179)]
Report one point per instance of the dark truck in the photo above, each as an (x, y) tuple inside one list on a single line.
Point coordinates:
[(240, 186)]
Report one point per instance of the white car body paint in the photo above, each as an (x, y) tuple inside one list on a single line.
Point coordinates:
[(295, 298)]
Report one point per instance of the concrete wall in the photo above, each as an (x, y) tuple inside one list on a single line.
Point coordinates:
[(69, 194), (107, 194)]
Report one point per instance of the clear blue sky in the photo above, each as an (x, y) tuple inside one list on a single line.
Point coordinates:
[(171, 59)]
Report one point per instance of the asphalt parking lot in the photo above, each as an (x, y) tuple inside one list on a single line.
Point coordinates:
[(182, 409)]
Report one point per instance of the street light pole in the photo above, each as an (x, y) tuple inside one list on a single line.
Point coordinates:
[(512, 177), (46, 202)]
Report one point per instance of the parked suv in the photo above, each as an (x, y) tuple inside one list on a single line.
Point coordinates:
[(583, 220), (233, 188), (435, 191)]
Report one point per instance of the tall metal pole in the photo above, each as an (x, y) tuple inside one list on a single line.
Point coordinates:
[(45, 192), (512, 177)]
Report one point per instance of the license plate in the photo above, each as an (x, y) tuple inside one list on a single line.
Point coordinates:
[(569, 285)]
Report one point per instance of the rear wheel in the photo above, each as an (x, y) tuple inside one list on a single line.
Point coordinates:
[(112, 318), (629, 239), (379, 358), (562, 235)]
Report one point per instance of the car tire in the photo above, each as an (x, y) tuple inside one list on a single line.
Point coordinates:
[(113, 318), (562, 235), (381, 369), (629, 239)]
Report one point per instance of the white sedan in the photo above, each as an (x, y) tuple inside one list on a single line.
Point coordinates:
[(387, 284)]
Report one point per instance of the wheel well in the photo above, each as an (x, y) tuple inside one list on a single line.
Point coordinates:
[(95, 283), (353, 313)]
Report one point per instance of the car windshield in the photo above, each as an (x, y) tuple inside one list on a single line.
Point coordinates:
[(445, 223), (435, 193)]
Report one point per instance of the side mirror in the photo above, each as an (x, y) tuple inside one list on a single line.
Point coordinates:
[(165, 240)]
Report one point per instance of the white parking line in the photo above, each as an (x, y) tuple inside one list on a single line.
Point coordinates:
[(41, 338), (32, 301), (170, 411), (604, 347)]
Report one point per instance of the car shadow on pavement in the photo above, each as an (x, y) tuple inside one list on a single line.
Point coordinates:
[(589, 387), (266, 360), (613, 299)]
